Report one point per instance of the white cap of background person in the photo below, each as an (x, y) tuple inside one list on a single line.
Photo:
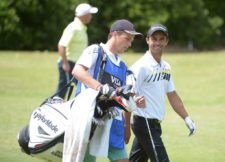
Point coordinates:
[(84, 9)]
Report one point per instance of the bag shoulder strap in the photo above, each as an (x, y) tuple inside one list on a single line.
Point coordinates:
[(103, 60), (56, 93)]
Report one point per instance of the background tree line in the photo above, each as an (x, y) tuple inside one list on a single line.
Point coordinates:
[(38, 24)]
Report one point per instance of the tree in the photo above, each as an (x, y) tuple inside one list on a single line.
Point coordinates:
[(33, 24), (190, 21), (38, 24), (217, 10), (187, 20)]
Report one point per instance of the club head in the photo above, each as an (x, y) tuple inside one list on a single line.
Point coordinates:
[(191, 132)]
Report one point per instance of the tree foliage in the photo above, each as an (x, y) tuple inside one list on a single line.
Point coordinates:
[(38, 24), (32, 24), (216, 10), (190, 21)]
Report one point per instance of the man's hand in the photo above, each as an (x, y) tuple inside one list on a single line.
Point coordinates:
[(191, 125), (66, 66), (140, 101)]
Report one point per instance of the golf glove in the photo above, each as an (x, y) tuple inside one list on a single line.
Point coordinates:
[(191, 125), (108, 91)]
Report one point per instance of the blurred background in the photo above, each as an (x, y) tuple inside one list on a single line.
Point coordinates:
[(38, 24), (29, 35)]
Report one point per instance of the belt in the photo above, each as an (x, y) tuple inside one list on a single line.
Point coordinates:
[(155, 121)]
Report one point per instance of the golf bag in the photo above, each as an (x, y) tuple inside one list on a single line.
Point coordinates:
[(43, 136)]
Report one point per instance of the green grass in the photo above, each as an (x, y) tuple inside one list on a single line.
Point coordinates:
[(27, 79)]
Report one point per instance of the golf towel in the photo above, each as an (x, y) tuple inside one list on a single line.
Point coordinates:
[(79, 125), (99, 145)]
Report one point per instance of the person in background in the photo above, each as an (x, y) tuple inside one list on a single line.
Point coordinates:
[(152, 78), (71, 44)]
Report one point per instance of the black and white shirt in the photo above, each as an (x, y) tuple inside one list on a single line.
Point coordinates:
[(152, 80)]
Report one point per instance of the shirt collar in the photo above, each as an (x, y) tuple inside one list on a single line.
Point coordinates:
[(149, 56), (113, 57), (77, 21)]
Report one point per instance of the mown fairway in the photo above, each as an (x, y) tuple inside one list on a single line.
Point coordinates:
[(26, 79)]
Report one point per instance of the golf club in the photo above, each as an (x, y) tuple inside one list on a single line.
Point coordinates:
[(67, 77), (150, 135)]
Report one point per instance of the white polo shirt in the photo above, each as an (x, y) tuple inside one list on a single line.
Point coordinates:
[(153, 80), (75, 39)]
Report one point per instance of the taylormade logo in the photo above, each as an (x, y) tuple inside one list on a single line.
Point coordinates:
[(48, 122)]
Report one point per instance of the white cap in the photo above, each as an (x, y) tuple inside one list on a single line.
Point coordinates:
[(84, 8)]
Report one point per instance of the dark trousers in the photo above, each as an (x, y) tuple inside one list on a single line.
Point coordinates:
[(64, 78), (142, 148)]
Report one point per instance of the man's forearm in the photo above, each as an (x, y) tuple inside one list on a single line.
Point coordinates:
[(177, 104), (127, 116), (81, 74), (62, 53)]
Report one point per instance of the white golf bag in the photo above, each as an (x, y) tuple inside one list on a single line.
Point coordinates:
[(43, 137)]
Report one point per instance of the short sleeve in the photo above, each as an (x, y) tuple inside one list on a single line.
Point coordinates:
[(171, 86), (89, 56), (66, 36), (137, 77)]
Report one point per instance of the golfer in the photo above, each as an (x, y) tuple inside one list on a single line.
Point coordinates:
[(120, 38), (153, 79), (73, 41)]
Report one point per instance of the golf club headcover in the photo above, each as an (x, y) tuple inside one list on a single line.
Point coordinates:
[(112, 113), (108, 91), (124, 91), (191, 125)]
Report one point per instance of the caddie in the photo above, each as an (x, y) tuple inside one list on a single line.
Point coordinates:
[(120, 38)]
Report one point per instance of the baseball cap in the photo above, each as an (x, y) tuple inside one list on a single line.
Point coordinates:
[(124, 25), (157, 27), (84, 8)]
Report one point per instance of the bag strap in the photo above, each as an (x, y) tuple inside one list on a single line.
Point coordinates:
[(103, 59), (66, 86)]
